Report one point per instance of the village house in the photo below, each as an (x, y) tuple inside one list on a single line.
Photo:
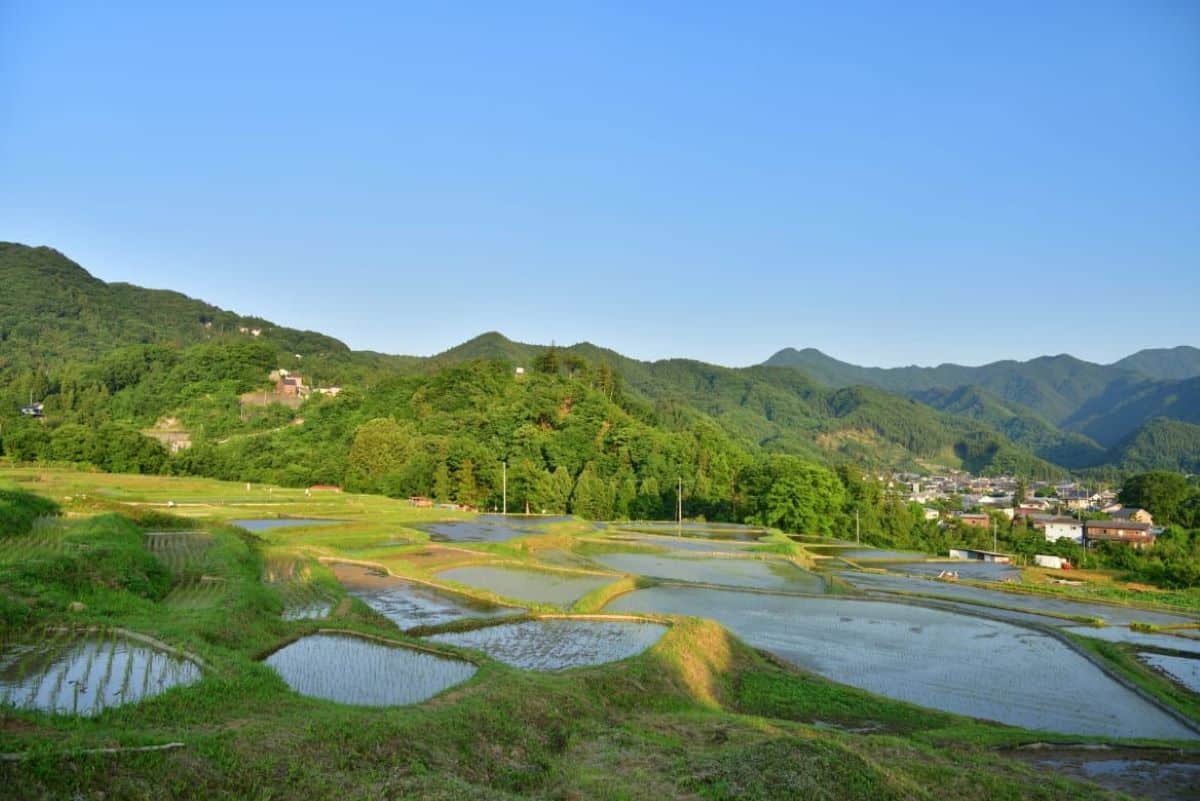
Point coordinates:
[(290, 384), (1061, 528), (1078, 500), (1134, 515), (1136, 535), (33, 410), (978, 520)]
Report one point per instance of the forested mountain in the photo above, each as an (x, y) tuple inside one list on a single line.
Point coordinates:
[(782, 410), (1023, 427), (1063, 409), (1160, 444), (54, 313), (1179, 362), (110, 360)]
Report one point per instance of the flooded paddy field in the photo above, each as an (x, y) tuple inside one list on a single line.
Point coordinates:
[(562, 589), (764, 574), (968, 569), (1182, 670), (727, 531), (1122, 634), (692, 544), (859, 554), (356, 670), (303, 599), (1158, 776), (1111, 614), (409, 604), (558, 644), (70, 674), (268, 523), (937, 659), (491, 528)]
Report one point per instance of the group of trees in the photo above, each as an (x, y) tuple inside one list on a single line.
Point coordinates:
[(566, 433)]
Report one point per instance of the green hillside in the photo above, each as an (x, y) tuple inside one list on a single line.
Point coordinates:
[(783, 410), (1117, 414), (1164, 363), (119, 359), (1024, 428), (54, 313), (1161, 444)]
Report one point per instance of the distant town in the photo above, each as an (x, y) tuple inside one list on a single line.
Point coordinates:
[(1061, 511)]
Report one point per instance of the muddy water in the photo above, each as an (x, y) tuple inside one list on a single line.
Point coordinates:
[(408, 604), (562, 589), (1159, 776), (943, 660), (355, 670), (765, 574), (86, 675), (558, 644)]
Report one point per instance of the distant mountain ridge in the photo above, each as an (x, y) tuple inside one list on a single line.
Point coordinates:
[(1035, 417), (1103, 403)]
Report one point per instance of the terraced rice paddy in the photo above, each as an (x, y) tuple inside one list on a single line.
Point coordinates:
[(561, 589), (730, 531), (1034, 604), (937, 659), (691, 544), (355, 670), (178, 550), (1182, 669), (68, 674), (558, 644), (266, 524), (1122, 634), (491, 528), (968, 569), (409, 604), (302, 598), (857, 554), (765, 574), (1140, 773), (199, 594)]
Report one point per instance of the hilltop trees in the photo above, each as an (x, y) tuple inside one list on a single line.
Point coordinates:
[(1159, 492)]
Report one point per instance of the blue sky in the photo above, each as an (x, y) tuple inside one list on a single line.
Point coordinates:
[(891, 183)]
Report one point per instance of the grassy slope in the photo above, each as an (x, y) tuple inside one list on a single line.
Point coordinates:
[(697, 716)]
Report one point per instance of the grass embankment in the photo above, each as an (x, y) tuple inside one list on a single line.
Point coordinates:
[(1121, 659), (699, 715)]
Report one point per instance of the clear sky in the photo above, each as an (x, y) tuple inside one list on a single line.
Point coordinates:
[(892, 183)]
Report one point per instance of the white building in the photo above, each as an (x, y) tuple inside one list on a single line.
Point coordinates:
[(1058, 528)]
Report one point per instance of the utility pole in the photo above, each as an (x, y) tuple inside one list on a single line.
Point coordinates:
[(857, 528), (994, 548), (679, 507), (504, 488)]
